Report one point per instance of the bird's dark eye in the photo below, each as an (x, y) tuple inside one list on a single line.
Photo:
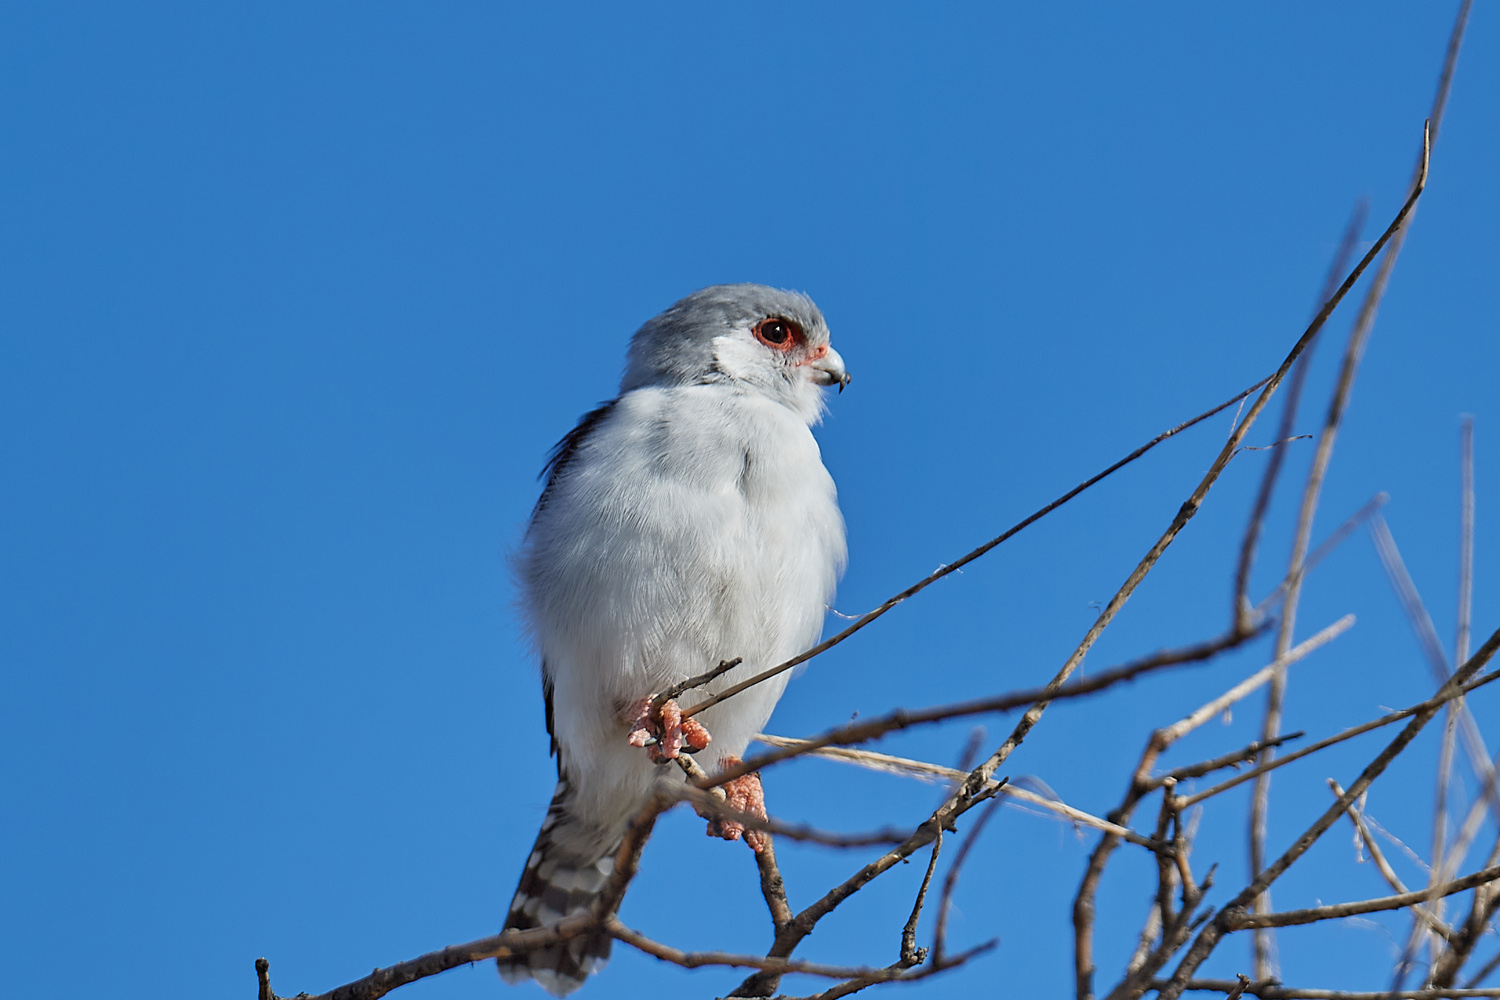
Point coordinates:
[(777, 333)]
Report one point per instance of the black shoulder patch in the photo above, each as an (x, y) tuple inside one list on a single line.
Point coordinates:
[(547, 710), (563, 452)]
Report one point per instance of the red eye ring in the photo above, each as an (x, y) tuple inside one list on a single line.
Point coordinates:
[(778, 333)]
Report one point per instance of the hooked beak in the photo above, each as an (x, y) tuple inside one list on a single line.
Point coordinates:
[(829, 370)]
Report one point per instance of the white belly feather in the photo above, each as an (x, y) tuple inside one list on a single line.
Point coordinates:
[(696, 526)]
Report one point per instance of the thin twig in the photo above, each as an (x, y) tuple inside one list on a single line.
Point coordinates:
[(1348, 734), (931, 772), (1271, 991), (1240, 920), (869, 729), (964, 560), (1241, 611), (1239, 991), (779, 966), (1357, 817), (945, 904), (910, 953), (888, 975), (1354, 351), (1234, 758), (1141, 784), (1212, 932), (707, 806), (1432, 648)]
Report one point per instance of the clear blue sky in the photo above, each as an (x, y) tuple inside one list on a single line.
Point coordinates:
[(295, 297)]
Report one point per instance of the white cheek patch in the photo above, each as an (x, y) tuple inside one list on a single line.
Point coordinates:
[(738, 357)]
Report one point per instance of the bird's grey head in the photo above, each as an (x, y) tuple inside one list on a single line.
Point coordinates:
[(751, 336)]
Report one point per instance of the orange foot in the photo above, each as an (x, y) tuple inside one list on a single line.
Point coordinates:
[(744, 794), (664, 733)]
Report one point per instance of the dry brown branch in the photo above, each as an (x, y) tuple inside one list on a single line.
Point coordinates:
[(1276, 696), (895, 973), (967, 558), (1383, 866), (1432, 648), (1481, 914), (1436, 701), (1149, 932), (1466, 539), (709, 805), (932, 772), (1234, 758), (1209, 937), (1460, 652), (1179, 927), (945, 904), (1241, 611), (1354, 351), (1239, 990), (1166, 737), (1240, 920), (1459, 720), (1276, 992), (910, 953), (1141, 784), (704, 959), (859, 732), (970, 794)]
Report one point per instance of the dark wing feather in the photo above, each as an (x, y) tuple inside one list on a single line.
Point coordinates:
[(558, 460), (547, 708), (563, 452)]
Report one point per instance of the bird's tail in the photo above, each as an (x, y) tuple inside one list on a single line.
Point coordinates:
[(559, 881)]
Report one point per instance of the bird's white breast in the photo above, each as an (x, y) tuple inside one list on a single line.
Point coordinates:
[(693, 524)]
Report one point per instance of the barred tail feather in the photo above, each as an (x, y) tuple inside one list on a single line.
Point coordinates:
[(557, 884)]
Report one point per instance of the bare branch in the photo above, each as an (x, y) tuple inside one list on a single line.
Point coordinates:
[(1274, 992), (931, 772), (1385, 720), (969, 557), (1141, 784), (779, 966), (1283, 660), (1384, 867), (1234, 758), (1340, 264), (1215, 929), (855, 985), (1240, 920), (682, 687), (910, 953), (945, 905), (869, 729)]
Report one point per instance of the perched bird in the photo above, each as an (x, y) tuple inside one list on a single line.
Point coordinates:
[(685, 522)]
